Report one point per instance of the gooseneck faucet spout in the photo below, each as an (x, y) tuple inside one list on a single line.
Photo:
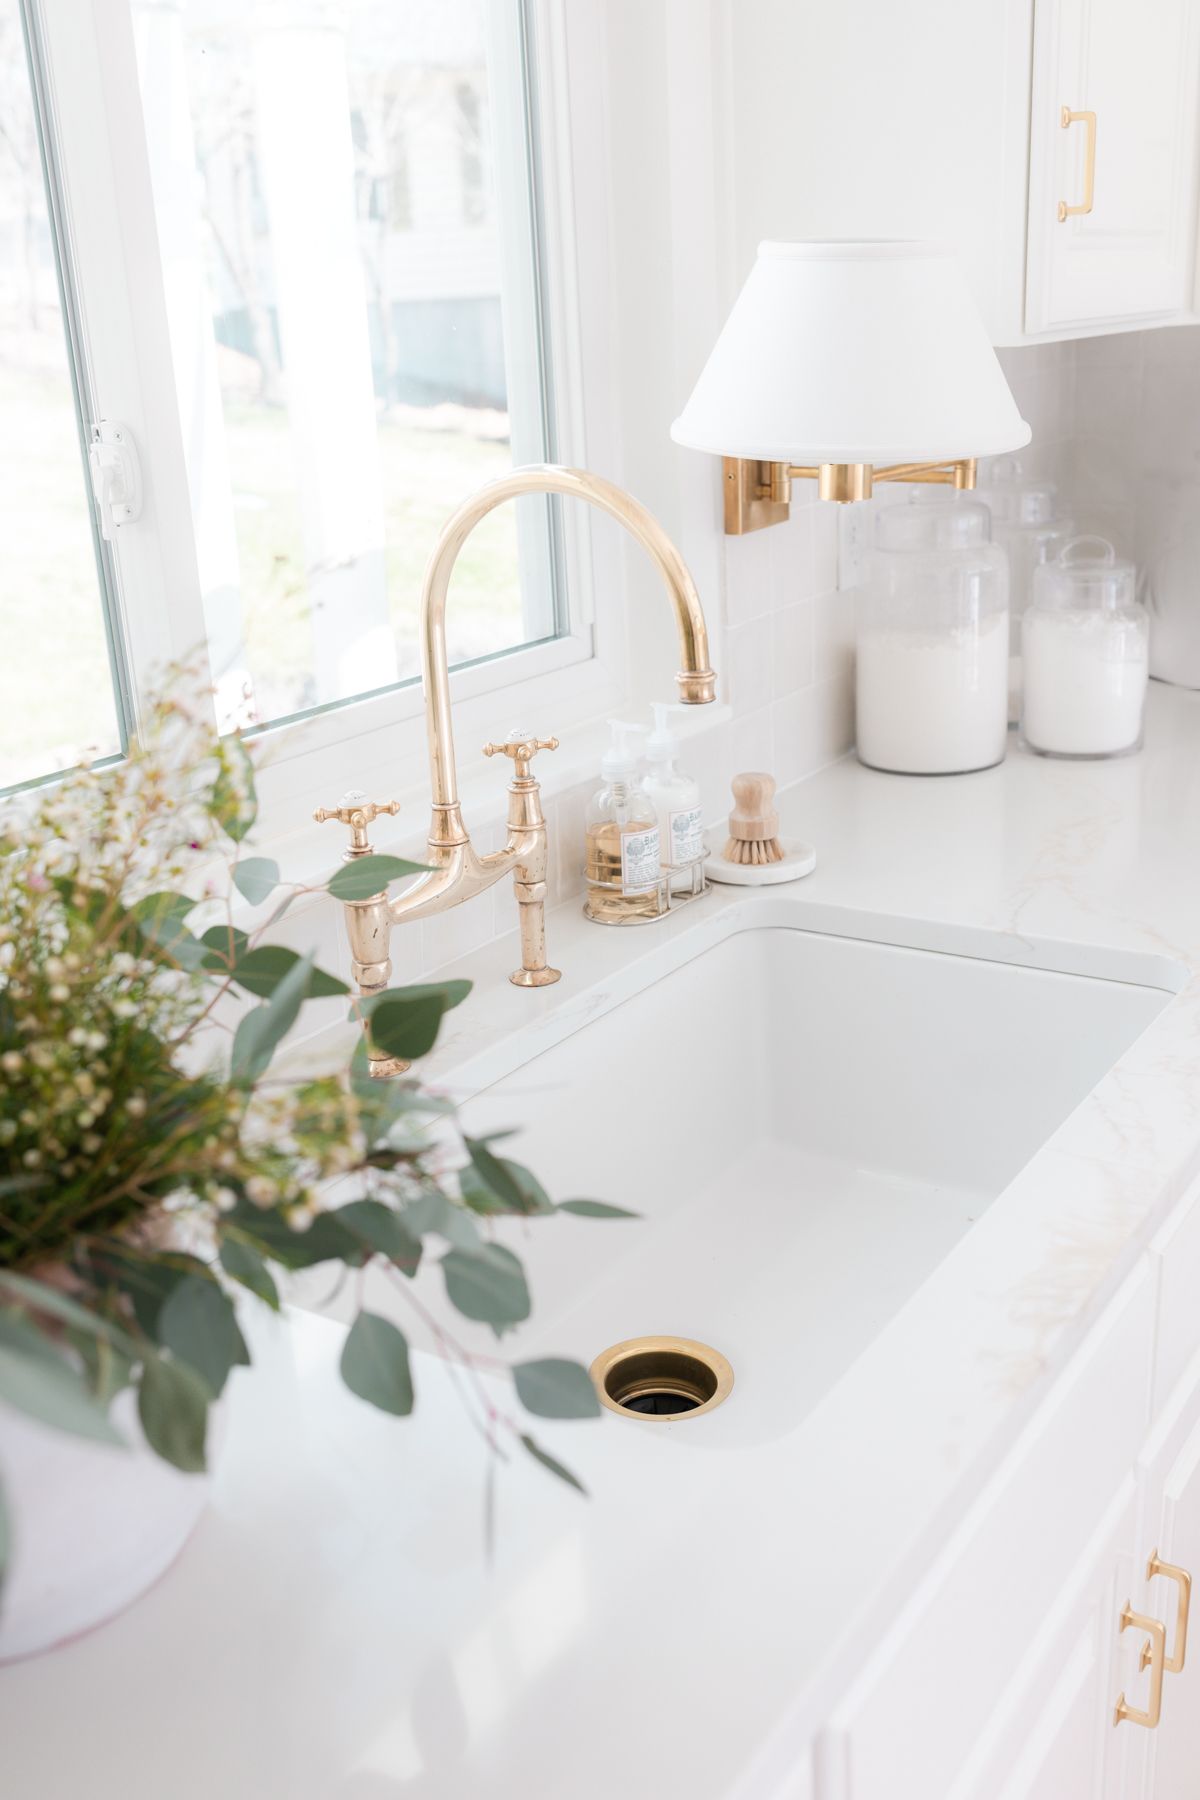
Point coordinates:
[(697, 683), (456, 871)]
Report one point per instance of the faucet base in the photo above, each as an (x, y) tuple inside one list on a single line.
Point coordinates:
[(535, 977)]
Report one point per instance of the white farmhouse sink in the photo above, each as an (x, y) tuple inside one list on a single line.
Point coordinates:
[(807, 1124)]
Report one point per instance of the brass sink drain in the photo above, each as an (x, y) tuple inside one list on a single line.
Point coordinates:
[(662, 1377)]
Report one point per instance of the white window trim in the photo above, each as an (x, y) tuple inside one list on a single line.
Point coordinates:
[(378, 742)]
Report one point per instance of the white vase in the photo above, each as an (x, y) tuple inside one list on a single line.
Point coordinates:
[(92, 1526)]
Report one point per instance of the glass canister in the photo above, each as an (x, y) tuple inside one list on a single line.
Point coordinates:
[(931, 676), (1085, 653), (1029, 528)]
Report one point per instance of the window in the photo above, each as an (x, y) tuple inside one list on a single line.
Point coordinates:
[(334, 250), (57, 700), (303, 257)]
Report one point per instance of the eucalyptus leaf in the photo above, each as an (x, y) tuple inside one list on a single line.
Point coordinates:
[(234, 801), (198, 1325), (487, 1283), (261, 1029), (501, 1186), (256, 878), (375, 1364), (435, 1212), (325, 1240), (40, 1382), (160, 920), (39, 1296), (145, 1281), (552, 1463), (407, 1028), (261, 970), (108, 1369), (595, 1209), (554, 1388), (173, 1409), (243, 1264), (367, 876), (453, 993), (223, 945), (382, 1230)]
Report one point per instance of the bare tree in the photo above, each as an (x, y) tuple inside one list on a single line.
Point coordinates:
[(20, 159)]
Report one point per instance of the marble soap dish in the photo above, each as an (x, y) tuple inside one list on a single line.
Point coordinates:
[(798, 859), (753, 855)]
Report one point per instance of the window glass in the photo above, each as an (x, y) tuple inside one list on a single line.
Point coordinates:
[(346, 221), (56, 694)]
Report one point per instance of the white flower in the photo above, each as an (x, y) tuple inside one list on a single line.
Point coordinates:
[(77, 1036), (60, 993), (261, 1190), (135, 1106), (12, 1062), (96, 1040)]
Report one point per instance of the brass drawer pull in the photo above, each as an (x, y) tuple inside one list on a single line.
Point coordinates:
[(1173, 1664), (1066, 119), (1154, 1657)]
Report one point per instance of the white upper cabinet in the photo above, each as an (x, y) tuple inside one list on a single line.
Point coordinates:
[(1112, 165), (938, 119)]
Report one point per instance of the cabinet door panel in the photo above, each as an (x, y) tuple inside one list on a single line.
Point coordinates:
[(1176, 1753), (1051, 1734), (1136, 67), (925, 1696)]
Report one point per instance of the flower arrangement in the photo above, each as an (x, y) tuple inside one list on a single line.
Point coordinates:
[(154, 1159)]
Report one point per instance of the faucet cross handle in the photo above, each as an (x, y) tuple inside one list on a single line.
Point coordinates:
[(522, 747), (357, 812)]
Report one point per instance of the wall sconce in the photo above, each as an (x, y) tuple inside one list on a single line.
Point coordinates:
[(848, 364)]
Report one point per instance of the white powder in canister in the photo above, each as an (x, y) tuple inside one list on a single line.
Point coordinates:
[(1085, 678), (932, 703)]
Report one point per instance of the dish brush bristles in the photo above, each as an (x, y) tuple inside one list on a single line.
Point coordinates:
[(753, 823)]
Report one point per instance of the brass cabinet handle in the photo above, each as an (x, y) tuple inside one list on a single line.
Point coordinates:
[(1173, 1664), (1154, 1657), (1067, 118)]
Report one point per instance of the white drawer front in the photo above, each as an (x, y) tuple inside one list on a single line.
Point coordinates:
[(925, 1696)]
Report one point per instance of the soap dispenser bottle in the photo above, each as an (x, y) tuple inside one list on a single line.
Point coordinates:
[(623, 868), (675, 798)]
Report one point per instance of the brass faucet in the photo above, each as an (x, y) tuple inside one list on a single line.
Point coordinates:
[(457, 872)]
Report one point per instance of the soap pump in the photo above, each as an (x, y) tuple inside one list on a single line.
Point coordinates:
[(675, 798), (623, 868)]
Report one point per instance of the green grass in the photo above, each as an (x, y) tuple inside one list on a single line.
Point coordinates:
[(55, 690), (425, 474)]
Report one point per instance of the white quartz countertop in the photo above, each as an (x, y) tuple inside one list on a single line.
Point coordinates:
[(334, 1628)]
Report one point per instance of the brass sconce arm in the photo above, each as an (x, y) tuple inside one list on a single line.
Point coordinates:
[(759, 493)]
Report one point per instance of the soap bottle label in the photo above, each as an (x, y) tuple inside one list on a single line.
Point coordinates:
[(640, 859), (687, 836)]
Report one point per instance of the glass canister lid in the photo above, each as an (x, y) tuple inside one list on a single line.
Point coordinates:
[(1012, 498), (942, 524), (1087, 574)]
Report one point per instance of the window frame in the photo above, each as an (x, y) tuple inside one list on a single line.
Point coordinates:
[(88, 68)]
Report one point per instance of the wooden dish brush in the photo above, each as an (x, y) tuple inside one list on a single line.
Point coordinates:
[(753, 823)]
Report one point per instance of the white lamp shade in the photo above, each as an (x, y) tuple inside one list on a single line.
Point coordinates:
[(868, 352)]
